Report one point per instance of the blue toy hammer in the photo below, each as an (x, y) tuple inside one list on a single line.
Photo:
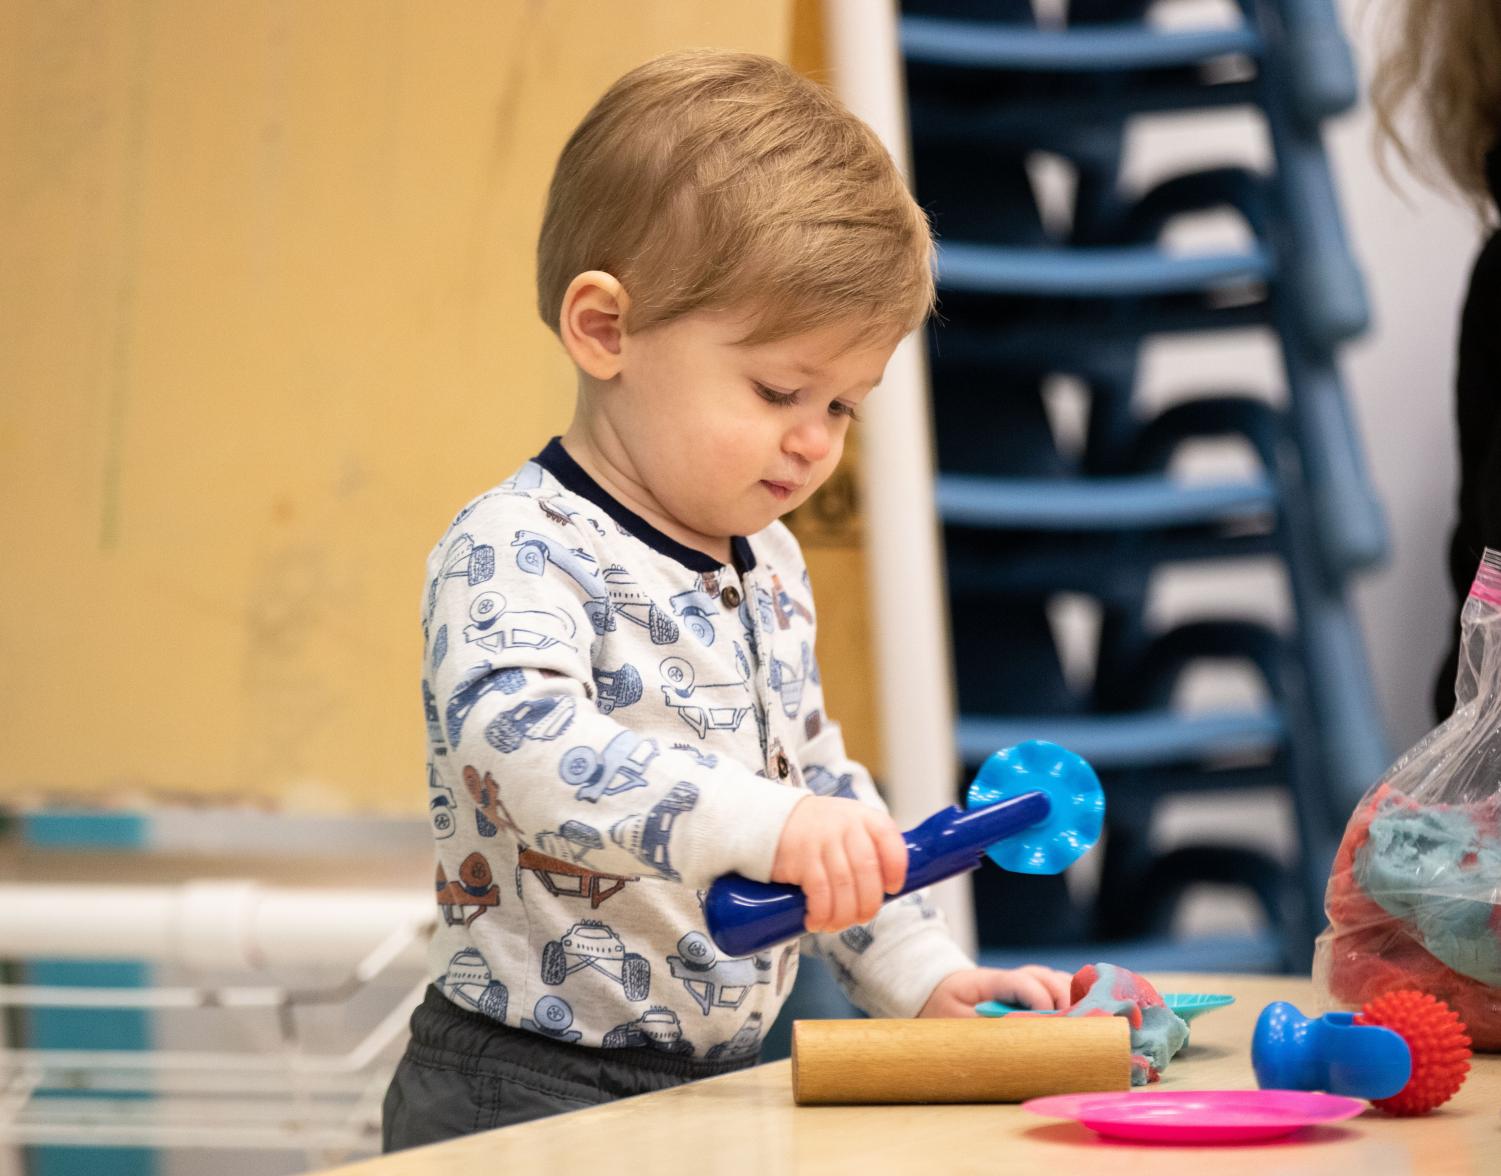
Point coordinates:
[(1035, 808)]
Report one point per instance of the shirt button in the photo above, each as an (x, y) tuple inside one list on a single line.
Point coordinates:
[(730, 596), (784, 769)]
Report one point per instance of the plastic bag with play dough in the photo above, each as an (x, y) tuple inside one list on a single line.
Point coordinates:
[(1414, 899)]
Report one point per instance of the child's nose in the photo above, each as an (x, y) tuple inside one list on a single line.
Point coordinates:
[(809, 440)]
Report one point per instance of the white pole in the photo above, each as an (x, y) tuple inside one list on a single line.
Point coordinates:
[(206, 924), (915, 698)]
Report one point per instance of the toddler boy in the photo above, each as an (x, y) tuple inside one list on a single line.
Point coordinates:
[(622, 697)]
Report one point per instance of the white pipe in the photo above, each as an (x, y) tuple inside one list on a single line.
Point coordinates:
[(203, 924), (904, 563)]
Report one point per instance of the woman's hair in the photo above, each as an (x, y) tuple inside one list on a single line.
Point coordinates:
[(1444, 56), (706, 180)]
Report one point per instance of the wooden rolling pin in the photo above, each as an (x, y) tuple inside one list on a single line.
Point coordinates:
[(970, 1059)]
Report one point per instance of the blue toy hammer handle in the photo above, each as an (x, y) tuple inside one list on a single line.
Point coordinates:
[(745, 917)]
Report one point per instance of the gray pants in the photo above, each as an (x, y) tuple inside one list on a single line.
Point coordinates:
[(464, 1072)]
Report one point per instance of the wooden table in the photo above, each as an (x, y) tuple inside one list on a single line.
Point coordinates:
[(746, 1122)]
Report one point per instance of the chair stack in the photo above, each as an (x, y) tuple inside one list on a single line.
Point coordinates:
[(1033, 298)]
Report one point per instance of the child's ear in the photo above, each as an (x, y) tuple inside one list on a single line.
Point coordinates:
[(590, 323)]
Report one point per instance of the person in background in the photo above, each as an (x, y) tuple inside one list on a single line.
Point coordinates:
[(1443, 61)]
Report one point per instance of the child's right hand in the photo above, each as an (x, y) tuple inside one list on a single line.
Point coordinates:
[(846, 856)]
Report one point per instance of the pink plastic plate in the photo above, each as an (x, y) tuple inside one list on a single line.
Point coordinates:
[(1198, 1116)]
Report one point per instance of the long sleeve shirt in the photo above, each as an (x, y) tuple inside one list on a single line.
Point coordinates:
[(615, 720)]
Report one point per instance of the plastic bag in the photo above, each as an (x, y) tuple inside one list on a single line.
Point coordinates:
[(1414, 898)]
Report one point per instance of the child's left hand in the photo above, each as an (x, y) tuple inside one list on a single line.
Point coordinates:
[(1033, 985)]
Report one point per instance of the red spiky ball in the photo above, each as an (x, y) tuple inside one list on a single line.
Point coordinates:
[(1440, 1048)]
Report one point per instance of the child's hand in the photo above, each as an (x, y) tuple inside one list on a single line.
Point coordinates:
[(1033, 985), (845, 855)]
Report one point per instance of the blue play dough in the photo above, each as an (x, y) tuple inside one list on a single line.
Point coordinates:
[(1078, 805), (1186, 1005), (1433, 869)]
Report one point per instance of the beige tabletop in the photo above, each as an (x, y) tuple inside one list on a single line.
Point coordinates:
[(746, 1122)]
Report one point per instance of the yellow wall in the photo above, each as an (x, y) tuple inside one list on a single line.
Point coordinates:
[(266, 321)]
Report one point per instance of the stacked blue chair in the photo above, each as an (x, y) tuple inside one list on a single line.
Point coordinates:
[(1024, 520)]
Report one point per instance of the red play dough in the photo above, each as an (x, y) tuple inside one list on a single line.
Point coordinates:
[(1372, 953)]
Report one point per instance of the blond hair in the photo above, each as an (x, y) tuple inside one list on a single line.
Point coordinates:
[(705, 180), (1447, 56)]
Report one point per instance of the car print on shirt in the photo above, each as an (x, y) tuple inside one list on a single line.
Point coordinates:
[(464, 559), (646, 836), (482, 680), (714, 983), (495, 627), (592, 945), (823, 782), (471, 895), (705, 707), (557, 510), (657, 1028), (618, 768), (745, 1043), (788, 682), (617, 688), (442, 815), (551, 1017), (469, 982), (609, 594), (697, 608), (542, 719), (571, 841)]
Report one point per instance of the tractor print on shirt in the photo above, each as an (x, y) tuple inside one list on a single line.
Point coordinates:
[(468, 981), (591, 944), (471, 896), (714, 983), (497, 627), (490, 815), (707, 706), (646, 836), (786, 605), (618, 768), (657, 1028), (609, 593)]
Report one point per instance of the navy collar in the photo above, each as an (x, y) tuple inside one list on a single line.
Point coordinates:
[(557, 462)]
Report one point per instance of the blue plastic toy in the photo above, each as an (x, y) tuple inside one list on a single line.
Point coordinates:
[(1331, 1053), (1035, 808)]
